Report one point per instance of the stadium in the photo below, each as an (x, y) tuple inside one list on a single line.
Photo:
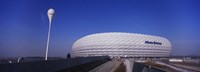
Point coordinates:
[(120, 44)]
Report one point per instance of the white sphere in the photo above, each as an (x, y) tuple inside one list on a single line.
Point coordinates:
[(51, 11)]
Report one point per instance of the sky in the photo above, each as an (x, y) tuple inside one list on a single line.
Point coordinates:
[(24, 23)]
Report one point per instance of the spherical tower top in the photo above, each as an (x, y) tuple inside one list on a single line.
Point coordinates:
[(51, 11), (50, 14)]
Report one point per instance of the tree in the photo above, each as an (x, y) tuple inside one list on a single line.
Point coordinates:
[(68, 55)]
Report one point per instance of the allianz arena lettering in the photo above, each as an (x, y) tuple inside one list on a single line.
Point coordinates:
[(154, 42), (119, 44)]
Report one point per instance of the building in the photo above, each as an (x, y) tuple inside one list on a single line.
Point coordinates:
[(120, 44)]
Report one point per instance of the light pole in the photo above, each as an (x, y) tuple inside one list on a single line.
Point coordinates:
[(19, 59), (50, 14)]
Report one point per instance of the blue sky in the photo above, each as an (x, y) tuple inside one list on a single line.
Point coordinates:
[(24, 23)]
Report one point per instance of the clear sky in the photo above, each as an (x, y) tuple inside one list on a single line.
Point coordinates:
[(24, 23)]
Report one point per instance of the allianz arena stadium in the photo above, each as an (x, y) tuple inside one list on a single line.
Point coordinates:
[(120, 44)]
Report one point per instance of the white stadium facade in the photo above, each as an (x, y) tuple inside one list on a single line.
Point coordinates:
[(120, 44)]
